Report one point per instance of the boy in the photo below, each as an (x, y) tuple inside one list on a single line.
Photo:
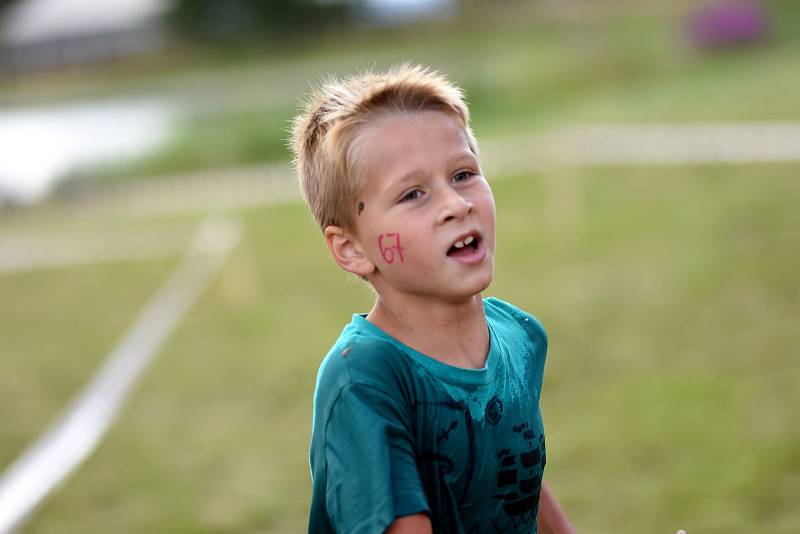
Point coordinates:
[(426, 410)]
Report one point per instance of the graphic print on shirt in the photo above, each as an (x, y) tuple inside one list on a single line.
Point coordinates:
[(518, 474), (494, 410), (520, 478), (446, 464)]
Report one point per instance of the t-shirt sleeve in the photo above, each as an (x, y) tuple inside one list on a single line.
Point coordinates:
[(372, 476)]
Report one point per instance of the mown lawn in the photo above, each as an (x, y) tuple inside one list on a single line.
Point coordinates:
[(56, 326), (670, 296), (524, 68)]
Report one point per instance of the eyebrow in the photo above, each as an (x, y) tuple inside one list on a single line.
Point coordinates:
[(464, 156), (409, 176), (416, 173), (392, 186)]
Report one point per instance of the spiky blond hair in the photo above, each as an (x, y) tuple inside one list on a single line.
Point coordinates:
[(323, 132)]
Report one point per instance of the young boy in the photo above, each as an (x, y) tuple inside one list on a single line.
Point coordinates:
[(426, 410)]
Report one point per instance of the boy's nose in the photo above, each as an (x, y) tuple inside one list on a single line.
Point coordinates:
[(453, 206)]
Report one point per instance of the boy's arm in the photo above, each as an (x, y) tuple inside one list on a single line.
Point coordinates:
[(411, 524), (551, 518)]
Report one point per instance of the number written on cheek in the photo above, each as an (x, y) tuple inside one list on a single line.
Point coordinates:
[(389, 244)]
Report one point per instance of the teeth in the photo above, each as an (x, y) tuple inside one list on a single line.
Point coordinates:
[(465, 242)]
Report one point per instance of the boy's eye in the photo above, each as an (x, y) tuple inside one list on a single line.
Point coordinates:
[(411, 195), (462, 176)]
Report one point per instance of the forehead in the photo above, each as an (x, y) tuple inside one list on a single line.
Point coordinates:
[(398, 144)]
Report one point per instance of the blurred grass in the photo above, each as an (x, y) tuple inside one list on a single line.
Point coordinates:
[(56, 326), (669, 399), (611, 63), (672, 320), (207, 142), (670, 293)]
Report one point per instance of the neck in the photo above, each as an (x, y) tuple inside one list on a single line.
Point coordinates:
[(454, 333)]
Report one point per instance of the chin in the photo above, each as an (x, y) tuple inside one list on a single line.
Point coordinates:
[(484, 286), (478, 286), (486, 280)]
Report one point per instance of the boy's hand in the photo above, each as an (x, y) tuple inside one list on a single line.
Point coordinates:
[(551, 518), (411, 524)]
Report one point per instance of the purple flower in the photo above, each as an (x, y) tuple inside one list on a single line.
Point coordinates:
[(729, 22)]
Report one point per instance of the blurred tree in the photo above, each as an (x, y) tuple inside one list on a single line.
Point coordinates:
[(241, 20), (4, 4)]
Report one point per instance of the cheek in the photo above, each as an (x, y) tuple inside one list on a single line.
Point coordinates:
[(488, 216), (486, 207), (488, 199), (403, 246), (392, 247)]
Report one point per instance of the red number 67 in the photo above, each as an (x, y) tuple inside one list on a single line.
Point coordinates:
[(389, 250)]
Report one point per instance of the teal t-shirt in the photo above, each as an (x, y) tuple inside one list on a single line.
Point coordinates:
[(396, 432)]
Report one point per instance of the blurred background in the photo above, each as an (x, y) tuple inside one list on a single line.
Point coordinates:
[(644, 157)]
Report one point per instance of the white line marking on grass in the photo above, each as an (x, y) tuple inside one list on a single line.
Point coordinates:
[(571, 145), (220, 189), (22, 251), (75, 435), (639, 144), (679, 144)]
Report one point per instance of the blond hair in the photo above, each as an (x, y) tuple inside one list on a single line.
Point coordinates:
[(323, 133)]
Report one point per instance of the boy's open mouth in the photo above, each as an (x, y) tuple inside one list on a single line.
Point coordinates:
[(465, 246)]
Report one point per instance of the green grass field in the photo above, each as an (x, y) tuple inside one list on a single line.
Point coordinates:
[(671, 305), (523, 71), (670, 294)]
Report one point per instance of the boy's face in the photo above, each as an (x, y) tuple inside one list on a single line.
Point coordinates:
[(425, 216)]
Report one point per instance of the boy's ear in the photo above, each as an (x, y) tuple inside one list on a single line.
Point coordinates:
[(347, 251)]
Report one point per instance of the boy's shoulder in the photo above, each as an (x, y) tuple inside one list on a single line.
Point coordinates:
[(503, 313), (362, 356), (365, 357)]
